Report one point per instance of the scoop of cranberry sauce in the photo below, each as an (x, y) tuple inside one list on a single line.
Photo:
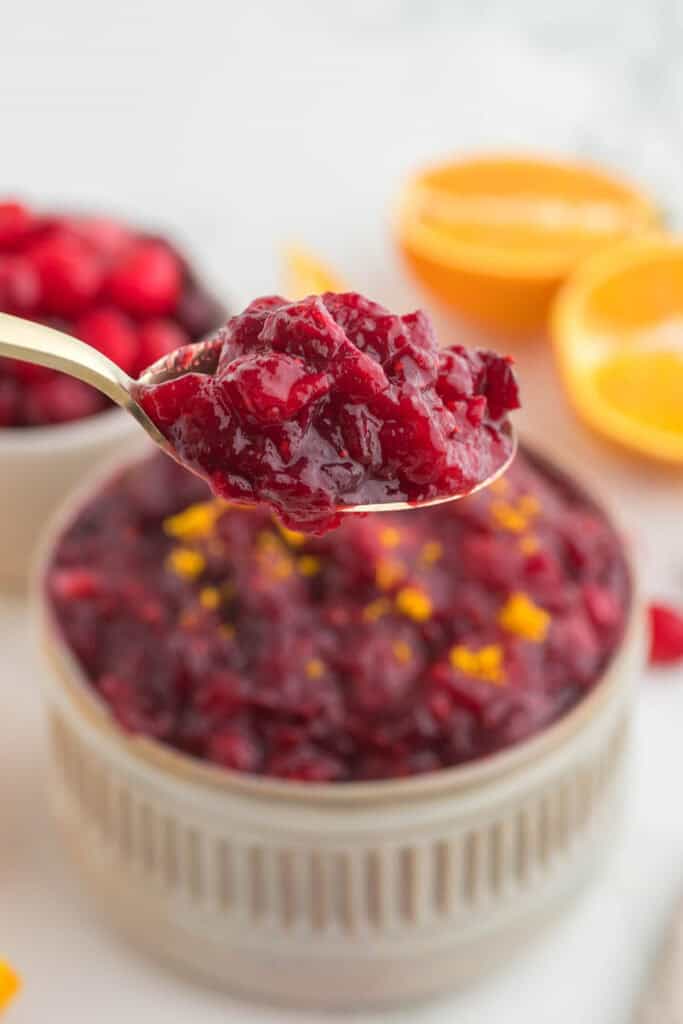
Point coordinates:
[(130, 295), (333, 401)]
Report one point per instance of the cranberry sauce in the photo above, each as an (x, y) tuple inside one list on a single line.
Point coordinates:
[(129, 295), (399, 643), (333, 401)]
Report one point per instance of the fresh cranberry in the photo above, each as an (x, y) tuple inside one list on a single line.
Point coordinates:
[(111, 333), (109, 238), (70, 273), (53, 270), (28, 373), (377, 651), (666, 634), (333, 402), (19, 286), (147, 281), (15, 224), (61, 399), (156, 338)]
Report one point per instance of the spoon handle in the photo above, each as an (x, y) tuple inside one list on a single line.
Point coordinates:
[(36, 343)]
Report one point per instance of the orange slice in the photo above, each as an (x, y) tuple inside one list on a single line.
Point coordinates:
[(9, 984), (495, 236), (305, 274), (617, 327)]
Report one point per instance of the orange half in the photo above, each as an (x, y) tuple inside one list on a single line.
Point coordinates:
[(617, 327), (304, 274), (495, 236)]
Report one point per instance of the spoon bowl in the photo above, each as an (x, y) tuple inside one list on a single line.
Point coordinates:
[(46, 346)]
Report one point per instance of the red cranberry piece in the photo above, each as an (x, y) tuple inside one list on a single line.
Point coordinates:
[(603, 606), (233, 748), (75, 584), (70, 273), (666, 634), (19, 286), (272, 388), (499, 384), (16, 221), (156, 339), (455, 378), (301, 328), (111, 333), (147, 281)]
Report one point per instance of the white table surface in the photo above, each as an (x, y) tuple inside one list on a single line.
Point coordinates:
[(244, 124)]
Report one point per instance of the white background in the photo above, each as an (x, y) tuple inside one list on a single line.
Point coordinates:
[(240, 126)]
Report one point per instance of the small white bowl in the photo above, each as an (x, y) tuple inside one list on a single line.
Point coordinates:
[(333, 895), (39, 466)]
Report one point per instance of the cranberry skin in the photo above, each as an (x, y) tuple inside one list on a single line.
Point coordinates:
[(16, 222), (111, 333), (107, 237), (147, 281), (156, 339), (272, 388), (19, 286), (70, 274), (666, 635)]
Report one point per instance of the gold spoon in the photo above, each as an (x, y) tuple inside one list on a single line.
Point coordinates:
[(46, 346)]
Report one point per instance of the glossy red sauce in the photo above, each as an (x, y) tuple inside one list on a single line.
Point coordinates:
[(334, 401), (396, 644)]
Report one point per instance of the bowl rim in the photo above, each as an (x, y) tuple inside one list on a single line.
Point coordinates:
[(461, 778), (76, 433)]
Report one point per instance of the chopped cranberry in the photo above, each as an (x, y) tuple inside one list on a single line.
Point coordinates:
[(111, 333), (70, 273), (666, 634), (333, 402), (75, 584), (386, 648), (147, 281), (232, 748)]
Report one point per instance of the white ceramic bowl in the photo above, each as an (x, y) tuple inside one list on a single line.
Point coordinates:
[(39, 466), (334, 895)]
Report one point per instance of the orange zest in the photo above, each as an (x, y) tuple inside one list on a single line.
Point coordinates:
[(304, 274), (618, 333), (9, 984), (495, 236)]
